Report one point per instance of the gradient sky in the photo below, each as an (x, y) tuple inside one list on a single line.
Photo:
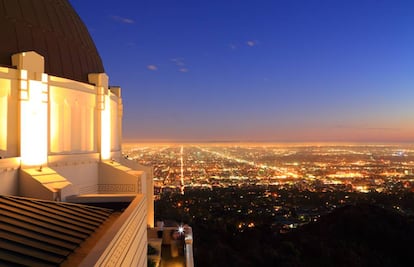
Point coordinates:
[(281, 70)]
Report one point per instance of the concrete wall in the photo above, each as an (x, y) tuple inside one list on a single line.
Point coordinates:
[(115, 124), (30, 187), (9, 135), (125, 243), (9, 176), (73, 119), (80, 170), (148, 186), (73, 122), (115, 178), (9, 112), (69, 137)]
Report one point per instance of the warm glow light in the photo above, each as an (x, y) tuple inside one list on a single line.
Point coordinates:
[(23, 85), (23, 73), (44, 78), (54, 125), (346, 175), (72, 120), (106, 129), (34, 126), (4, 95), (362, 188)]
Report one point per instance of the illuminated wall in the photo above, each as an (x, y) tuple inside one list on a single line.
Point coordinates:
[(9, 112), (115, 138), (9, 131), (56, 122), (4, 97), (33, 124), (56, 129), (128, 245), (66, 126), (72, 120), (147, 186), (106, 129), (103, 98), (60, 116), (81, 170), (9, 176), (33, 96)]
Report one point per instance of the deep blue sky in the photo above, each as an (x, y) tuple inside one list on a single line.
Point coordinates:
[(281, 70)]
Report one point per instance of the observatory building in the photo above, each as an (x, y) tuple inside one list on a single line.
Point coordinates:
[(60, 142)]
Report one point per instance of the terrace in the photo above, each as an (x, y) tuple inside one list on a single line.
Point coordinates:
[(173, 246)]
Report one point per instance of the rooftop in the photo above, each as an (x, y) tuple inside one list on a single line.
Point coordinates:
[(53, 29), (45, 233)]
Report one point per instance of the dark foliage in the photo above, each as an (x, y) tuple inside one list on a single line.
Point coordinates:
[(371, 229), (362, 235), (151, 263), (358, 235), (151, 250)]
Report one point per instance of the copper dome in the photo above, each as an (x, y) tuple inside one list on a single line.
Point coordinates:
[(53, 29)]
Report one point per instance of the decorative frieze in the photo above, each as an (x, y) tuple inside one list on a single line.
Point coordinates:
[(117, 188)]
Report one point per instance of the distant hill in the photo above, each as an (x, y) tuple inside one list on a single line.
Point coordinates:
[(361, 235)]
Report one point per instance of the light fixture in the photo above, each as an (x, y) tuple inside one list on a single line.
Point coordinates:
[(180, 229)]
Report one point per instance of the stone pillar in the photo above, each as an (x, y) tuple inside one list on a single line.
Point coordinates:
[(104, 113), (33, 103)]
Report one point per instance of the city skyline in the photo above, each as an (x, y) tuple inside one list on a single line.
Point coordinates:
[(295, 71), (351, 168)]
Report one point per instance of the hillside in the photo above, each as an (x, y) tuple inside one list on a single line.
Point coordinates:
[(357, 235)]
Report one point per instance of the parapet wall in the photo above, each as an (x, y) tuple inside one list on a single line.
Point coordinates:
[(125, 244)]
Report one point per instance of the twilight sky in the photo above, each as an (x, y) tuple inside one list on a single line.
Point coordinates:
[(259, 70)]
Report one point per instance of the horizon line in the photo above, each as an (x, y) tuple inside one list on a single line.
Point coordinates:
[(131, 141)]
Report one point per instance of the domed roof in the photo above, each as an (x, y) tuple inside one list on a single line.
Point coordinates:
[(53, 29)]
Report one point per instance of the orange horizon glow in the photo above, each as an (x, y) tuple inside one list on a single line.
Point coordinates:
[(297, 134)]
